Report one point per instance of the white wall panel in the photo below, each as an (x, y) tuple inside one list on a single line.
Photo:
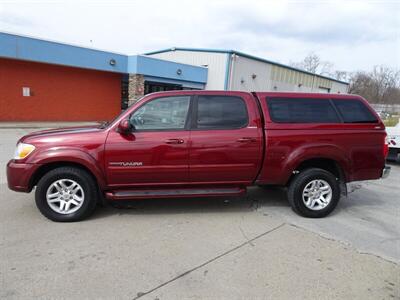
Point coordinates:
[(243, 70), (216, 63), (270, 77), (338, 87)]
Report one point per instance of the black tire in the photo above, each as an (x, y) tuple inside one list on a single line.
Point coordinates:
[(299, 182), (80, 176)]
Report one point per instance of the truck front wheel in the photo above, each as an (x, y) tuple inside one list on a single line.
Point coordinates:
[(314, 193), (66, 194)]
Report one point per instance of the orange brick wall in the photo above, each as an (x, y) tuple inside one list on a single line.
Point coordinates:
[(58, 93)]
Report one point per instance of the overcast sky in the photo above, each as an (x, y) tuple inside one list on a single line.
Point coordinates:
[(352, 35)]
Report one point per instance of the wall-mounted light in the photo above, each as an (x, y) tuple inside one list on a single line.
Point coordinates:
[(179, 72), (112, 62)]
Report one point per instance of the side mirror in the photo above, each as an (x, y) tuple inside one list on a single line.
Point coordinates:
[(125, 126)]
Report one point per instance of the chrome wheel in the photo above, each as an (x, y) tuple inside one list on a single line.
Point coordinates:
[(65, 196), (317, 194)]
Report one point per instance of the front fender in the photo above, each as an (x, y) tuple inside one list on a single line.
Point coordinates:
[(71, 155)]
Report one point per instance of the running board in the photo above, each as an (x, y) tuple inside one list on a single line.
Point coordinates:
[(174, 193)]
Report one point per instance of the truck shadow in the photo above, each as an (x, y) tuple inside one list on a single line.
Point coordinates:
[(257, 197), (270, 198)]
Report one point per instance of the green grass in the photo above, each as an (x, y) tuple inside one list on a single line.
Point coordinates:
[(391, 121)]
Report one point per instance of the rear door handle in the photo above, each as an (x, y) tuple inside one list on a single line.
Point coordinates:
[(174, 141), (246, 140)]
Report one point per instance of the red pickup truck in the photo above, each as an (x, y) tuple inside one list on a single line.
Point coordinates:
[(206, 143)]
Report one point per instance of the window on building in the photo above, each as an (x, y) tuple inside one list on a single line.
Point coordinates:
[(322, 89), (26, 92), (124, 92), (294, 110), (221, 112), (152, 87), (162, 114), (354, 111)]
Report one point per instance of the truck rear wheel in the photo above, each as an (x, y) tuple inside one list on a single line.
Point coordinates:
[(66, 194), (314, 193)]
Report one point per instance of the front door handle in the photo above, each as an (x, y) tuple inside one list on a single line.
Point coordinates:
[(246, 140), (174, 141)]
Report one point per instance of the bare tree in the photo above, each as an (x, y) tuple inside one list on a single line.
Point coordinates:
[(313, 63), (381, 85), (341, 75)]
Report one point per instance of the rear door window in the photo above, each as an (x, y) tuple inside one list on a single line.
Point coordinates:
[(354, 111), (302, 110), (220, 112)]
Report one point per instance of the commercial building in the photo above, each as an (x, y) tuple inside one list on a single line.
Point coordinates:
[(49, 81)]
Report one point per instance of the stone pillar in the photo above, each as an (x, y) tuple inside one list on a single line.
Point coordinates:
[(135, 88)]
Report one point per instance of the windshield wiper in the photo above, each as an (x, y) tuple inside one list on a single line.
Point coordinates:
[(104, 124)]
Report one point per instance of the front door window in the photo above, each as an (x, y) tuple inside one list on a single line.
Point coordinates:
[(167, 113)]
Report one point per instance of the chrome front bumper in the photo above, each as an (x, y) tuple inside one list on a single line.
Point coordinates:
[(385, 172)]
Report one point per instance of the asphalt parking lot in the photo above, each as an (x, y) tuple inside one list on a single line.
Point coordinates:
[(252, 247)]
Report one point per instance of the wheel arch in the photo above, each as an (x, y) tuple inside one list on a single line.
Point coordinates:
[(45, 168), (328, 164), (67, 156)]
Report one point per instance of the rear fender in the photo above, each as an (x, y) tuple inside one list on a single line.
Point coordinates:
[(316, 151)]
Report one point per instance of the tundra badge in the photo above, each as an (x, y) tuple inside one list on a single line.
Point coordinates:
[(126, 163)]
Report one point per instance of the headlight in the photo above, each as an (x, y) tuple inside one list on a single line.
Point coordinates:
[(23, 150)]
